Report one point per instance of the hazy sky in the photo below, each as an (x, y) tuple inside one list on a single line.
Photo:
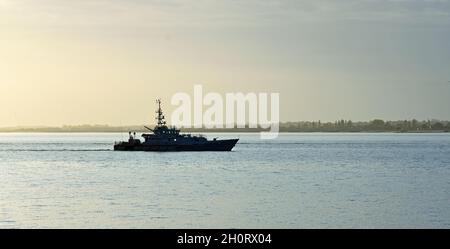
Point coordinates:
[(105, 61)]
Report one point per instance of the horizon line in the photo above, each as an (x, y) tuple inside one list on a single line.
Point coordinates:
[(224, 124)]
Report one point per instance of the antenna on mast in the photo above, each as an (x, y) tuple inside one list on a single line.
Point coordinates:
[(160, 116)]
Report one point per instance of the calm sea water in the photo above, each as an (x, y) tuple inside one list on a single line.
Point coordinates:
[(302, 180)]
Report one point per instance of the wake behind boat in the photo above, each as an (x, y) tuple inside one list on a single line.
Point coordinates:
[(164, 138)]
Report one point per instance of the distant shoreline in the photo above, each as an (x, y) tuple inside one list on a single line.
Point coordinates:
[(231, 132), (339, 126), (212, 131)]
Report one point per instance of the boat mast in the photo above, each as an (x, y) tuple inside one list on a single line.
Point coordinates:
[(160, 116)]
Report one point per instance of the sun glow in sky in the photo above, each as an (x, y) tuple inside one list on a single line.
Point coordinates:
[(104, 62)]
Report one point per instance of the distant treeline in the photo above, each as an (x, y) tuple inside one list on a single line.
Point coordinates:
[(376, 125)]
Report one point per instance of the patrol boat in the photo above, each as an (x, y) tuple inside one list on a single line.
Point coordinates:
[(164, 138)]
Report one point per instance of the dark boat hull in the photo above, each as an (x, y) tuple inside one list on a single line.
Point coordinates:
[(217, 145)]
